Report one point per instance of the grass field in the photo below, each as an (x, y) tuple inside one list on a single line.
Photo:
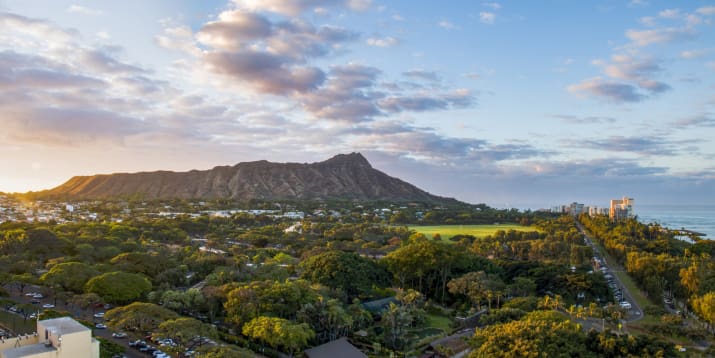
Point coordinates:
[(447, 231)]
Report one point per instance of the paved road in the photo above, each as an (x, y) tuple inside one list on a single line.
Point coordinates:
[(87, 315), (636, 312)]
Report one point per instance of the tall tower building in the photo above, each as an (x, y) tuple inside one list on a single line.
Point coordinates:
[(621, 208)]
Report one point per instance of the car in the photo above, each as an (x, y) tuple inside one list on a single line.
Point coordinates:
[(119, 335), (33, 316), (35, 302), (99, 315), (38, 295), (29, 294), (48, 305), (626, 305), (100, 326)]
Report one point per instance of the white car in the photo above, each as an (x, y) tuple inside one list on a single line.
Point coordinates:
[(48, 305), (99, 315), (626, 305), (100, 326)]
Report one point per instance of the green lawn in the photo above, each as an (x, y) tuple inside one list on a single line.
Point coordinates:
[(447, 231), (437, 321)]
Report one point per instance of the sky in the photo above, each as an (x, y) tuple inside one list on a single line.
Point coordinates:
[(524, 104)]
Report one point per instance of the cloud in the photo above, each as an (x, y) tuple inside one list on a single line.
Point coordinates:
[(77, 9), (425, 102), (611, 90), (267, 73), (296, 7), (648, 21), (68, 126), (233, 29), (706, 10), (643, 145), (694, 54), (704, 120), (670, 14), (487, 17), (635, 80), (642, 38), (423, 75), (584, 120), (634, 3), (493, 5), (14, 30), (446, 25), (382, 42)]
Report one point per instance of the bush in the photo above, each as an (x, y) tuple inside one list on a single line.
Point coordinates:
[(653, 310)]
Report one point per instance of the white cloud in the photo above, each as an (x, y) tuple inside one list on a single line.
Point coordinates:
[(670, 14), (77, 9), (643, 38), (382, 42), (693, 54), (446, 25), (706, 10), (493, 5), (398, 17), (103, 35), (648, 21), (487, 17)]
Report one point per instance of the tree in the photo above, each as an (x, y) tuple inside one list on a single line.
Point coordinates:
[(279, 332), (471, 285), (71, 276), (346, 271), (282, 299), (138, 316), (328, 318), (184, 331), (704, 306), (119, 287)]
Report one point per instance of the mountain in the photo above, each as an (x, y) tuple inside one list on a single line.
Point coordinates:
[(345, 176)]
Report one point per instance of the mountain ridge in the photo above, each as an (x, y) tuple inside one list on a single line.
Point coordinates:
[(344, 176)]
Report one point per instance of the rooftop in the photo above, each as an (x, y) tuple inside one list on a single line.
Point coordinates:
[(337, 348), (28, 350), (63, 325)]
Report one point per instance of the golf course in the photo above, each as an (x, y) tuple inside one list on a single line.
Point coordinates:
[(447, 231)]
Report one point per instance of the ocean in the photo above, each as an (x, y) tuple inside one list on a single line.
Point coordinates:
[(700, 218)]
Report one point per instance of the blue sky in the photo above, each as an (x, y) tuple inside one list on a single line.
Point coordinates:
[(522, 103)]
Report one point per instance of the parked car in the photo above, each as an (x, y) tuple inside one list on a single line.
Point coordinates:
[(100, 326), (119, 335), (99, 315), (48, 305)]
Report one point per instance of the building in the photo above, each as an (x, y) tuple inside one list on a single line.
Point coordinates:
[(575, 209), (55, 338), (338, 348), (621, 209)]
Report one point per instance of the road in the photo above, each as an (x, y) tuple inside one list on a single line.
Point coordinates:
[(636, 312), (84, 314)]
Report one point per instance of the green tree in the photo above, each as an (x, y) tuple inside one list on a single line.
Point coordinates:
[(138, 316), (71, 276), (346, 271), (184, 331), (279, 333), (118, 287)]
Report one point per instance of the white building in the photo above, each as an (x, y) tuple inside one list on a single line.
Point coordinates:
[(55, 338)]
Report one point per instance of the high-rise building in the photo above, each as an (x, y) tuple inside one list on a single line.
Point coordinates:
[(621, 208)]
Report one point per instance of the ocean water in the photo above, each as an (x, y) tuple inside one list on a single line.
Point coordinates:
[(700, 218)]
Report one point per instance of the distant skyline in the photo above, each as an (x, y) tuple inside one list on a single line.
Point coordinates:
[(509, 103)]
